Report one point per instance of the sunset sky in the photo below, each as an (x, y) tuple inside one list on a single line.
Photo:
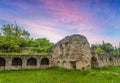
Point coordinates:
[(98, 20)]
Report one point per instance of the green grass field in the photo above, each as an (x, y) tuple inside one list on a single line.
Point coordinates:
[(59, 75)]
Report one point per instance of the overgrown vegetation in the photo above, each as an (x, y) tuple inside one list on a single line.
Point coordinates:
[(60, 75), (106, 48), (14, 39)]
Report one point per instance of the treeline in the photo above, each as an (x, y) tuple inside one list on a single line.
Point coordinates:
[(15, 39), (106, 48)]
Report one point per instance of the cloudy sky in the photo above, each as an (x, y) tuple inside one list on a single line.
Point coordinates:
[(98, 20)]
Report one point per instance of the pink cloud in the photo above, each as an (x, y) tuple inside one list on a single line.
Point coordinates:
[(34, 27), (68, 16), (55, 34), (68, 11), (49, 32), (65, 10), (61, 11)]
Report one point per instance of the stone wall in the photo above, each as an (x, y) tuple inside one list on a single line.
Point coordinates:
[(101, 60), (72, 52), (24, 62)]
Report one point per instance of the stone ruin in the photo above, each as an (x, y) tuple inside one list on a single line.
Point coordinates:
[(72, 52), (8, 62)]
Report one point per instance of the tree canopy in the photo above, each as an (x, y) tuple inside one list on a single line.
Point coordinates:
[(15, 39), (107, 48)]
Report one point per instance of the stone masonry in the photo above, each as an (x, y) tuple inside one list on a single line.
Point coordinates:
[(72, 52)]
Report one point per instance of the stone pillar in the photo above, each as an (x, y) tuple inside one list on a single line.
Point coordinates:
[(8, 65), (24, 63), (38, 62)]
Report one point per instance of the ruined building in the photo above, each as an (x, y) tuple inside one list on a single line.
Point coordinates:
[(72, 52)]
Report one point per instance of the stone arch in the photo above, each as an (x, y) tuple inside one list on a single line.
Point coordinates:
[(17, 61), (58, 63), (2, 62), (44, 61), (32, 61), (73, 64), (94, 62), (64, 63), (111, 59)]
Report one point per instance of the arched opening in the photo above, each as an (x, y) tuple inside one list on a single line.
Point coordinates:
[(45, 61), (32, 61), (111, 59), (73, 64), (2, 62), (64, 63), (83, 67), (17, 62), (94, 62), (58, 63)]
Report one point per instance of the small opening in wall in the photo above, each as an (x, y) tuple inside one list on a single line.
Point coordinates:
[(94, 62), (2, 62), (83, 68), (73, 64), (44, 61), (64, 63), (85, 61), (58, 63), (17, 62), (32, 61), (111, 59)]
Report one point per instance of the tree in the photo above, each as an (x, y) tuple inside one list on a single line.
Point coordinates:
[(13, 30), (13, 37), (105, 48)]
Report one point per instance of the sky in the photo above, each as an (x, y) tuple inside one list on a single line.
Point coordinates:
[(98, 20)]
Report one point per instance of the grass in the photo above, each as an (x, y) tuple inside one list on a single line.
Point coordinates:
[(59, 75)]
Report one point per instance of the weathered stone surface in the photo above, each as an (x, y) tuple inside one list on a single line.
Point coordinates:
[(101, 60), (72, 52), (24, 62)]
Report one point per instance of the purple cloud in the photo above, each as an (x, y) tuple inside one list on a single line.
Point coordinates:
[(55, 19)]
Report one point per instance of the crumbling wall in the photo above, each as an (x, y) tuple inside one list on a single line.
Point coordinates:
[(72, 52), (105, 60), (24, 62)]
